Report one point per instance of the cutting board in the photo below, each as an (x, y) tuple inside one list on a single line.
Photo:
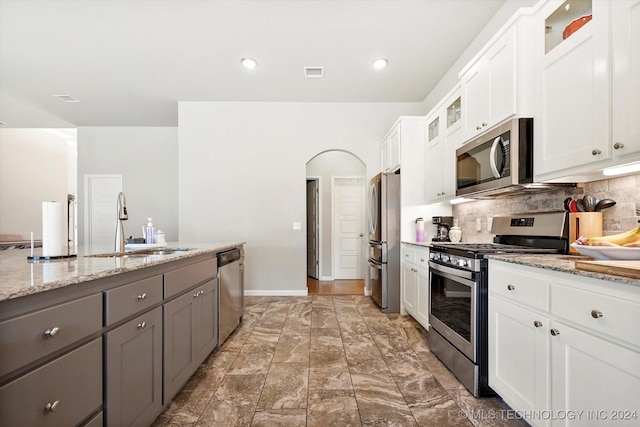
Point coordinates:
[(629, 269)]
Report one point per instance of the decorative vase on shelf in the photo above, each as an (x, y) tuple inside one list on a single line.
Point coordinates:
[(455, 233)]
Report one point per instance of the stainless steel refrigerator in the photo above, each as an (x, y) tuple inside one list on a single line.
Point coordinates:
[(384, 241)]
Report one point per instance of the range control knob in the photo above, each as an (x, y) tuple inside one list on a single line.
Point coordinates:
[(462, 262), (445, 258)]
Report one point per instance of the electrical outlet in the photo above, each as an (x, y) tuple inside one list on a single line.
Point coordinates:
[(297, 226), (478, 224)]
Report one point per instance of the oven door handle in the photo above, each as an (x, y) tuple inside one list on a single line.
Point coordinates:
[(375, 265), (461, 276)]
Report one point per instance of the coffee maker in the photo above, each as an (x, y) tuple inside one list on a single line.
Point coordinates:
[(443, 224)]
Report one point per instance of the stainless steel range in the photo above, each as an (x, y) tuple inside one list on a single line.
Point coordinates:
[(458, 280)]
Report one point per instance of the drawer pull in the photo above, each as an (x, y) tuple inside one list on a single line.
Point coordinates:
[(142, 297), (421, 259), (52, 333), (511, 287), (142, 325), (596, 314), (537, 323), (555, 332), (52, 407)]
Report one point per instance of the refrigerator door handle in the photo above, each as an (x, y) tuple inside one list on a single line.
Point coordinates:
[(375, 265)]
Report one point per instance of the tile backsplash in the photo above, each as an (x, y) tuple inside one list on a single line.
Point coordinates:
[(625, 215)]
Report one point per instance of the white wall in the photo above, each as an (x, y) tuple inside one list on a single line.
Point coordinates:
[(147, 159), (36, 165), (325, 166), (243, 174)]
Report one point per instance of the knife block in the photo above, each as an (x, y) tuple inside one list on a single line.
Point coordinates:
[(585, 224)]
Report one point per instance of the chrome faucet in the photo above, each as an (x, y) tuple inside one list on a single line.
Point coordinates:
[(122, 216)]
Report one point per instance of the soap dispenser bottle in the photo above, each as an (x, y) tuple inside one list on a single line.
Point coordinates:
[(150, 232)]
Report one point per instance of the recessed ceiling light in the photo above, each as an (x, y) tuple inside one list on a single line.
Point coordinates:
[(249, 63), (67, 98), (379, 63)]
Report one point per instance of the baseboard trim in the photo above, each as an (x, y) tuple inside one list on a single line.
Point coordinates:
[(275, 293), (326, 278), (367, 292)]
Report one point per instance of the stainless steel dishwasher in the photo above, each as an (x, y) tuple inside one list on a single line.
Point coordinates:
[(231, 288)]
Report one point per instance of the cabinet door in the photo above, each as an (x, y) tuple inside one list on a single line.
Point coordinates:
[(133, 371), (394, 149), (180, 360), (625, 32), (423, 297), (206, 320), (384, 155), (574, 127), (434, 172), (500, 79), (591, 373), (473, 93), (409, 288), (518, 356)]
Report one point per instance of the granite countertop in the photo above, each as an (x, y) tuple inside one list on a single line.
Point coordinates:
[(20, 277), (561, 263)]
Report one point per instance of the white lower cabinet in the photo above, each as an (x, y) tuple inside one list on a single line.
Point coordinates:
[(556, 352), (415, 282)]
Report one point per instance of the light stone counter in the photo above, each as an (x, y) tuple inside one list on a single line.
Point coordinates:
[(20, 277), (562, 263)]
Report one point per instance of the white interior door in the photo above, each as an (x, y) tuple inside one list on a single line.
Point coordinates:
[(348, 231), (101, 195), (313, 229)]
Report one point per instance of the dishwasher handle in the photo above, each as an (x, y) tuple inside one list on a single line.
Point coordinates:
[(228, 257)]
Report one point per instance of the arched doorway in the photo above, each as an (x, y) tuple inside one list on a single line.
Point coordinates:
[(336, 261)]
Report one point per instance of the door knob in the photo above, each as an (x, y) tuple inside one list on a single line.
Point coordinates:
[(361, 234)]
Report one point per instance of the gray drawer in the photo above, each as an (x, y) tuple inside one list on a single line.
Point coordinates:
[(96, 421), (181, 279), (74, 381), (25, 339), (128, 300)]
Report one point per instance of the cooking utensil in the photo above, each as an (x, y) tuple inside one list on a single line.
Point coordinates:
[(604, 204), (589, 203), (572, 206), (580, 206), (565, 204)]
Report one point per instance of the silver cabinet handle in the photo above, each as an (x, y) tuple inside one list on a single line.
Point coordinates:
[(554, 332), (52, 333), (618, 145), (478, 127), (537, 323), (197, 294), (142, 297), (484, 124), (142, 325), (596, 314), (595, 152), (52, 407), (510, 287), (421, 259)]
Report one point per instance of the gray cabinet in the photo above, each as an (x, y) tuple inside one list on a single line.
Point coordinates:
[(190, 334), (133, 371), (62, 392)]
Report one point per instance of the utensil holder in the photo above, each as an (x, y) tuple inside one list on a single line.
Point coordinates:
[(585, 224)]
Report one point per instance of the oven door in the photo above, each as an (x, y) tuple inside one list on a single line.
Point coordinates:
[(452, 308)]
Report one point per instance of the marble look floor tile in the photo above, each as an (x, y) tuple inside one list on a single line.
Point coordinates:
[(266, 348), (403, 321), (324, 320), (361, 351), (442, 373), (333, 408), (236, 340), (300, 310), (280, 418), (417, 340), (328, 360), (325, 343), (404, 369), (250, 364), (325, 332), (260, 335), (469, 404), (354, 330), (286, 386), (422, 388), (446, 413), (292, 348), (369, 367), (383, 408), (379, 326), (329, 379), (296, 326), (234, 402)]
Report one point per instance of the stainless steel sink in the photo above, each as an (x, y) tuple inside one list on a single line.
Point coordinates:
[(141, 253)]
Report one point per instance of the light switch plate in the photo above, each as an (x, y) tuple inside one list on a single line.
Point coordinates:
[(297, 226), (478, 224)]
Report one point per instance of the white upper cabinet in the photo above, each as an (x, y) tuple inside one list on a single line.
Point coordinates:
[(444, 136), (390, 150), (489, 86), (572, 133), (625, 33)]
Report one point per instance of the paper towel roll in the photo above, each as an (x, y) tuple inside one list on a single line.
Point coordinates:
[(53, 234)]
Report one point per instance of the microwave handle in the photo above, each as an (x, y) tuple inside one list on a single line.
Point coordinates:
[(492, 157)]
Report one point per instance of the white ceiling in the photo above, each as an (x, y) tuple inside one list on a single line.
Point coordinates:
[(130, 62)]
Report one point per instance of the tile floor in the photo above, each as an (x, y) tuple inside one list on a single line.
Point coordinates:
[(327, 361)]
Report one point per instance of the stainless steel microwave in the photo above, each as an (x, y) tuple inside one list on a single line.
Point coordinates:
[(498, 162)]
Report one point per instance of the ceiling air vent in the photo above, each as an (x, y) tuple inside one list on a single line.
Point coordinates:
[(314, 71), (67, 98)]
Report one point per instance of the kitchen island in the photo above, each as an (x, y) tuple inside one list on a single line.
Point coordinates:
[(103, 340)]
